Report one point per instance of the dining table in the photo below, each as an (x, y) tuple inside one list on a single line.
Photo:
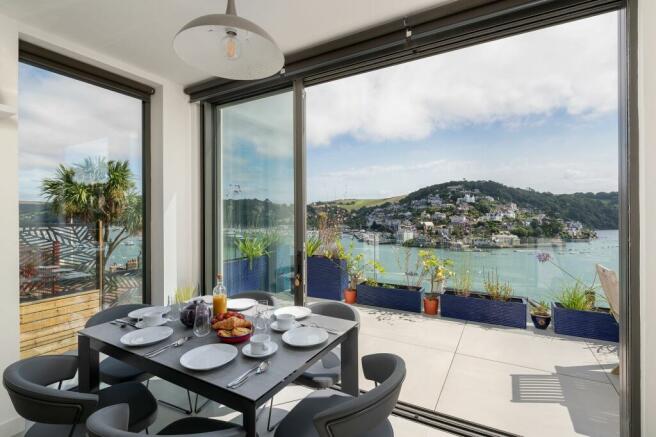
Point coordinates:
[(286, 365)]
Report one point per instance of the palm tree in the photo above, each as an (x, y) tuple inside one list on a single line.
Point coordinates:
[(100, 192)]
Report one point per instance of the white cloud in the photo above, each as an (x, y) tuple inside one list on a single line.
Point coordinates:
[(62, 121), (570, 67)]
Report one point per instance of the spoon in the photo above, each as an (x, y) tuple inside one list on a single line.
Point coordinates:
[(261, 368)]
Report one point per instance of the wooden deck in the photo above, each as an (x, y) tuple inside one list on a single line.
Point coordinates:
[(50, 326)]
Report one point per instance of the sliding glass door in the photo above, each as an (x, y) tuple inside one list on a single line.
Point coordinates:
[(256, 188)]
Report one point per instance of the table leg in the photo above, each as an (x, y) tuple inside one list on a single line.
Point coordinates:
[(250, 421), (350, 363), (88, 365)]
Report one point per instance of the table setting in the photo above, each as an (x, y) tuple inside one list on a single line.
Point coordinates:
[(218, 354)]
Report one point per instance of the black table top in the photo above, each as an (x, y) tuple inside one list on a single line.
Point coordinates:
[(286, 364)]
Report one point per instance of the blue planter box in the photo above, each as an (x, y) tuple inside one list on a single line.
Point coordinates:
[(327, 278), (478, 307), (238, 276), (587, 324), (398, 298)]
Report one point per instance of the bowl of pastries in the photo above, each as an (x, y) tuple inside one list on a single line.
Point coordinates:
[(232, 327)]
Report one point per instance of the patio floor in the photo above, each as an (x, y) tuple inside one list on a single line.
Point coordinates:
[(528, 382)]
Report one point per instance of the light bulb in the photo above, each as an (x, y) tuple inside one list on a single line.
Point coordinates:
[(231, 45)]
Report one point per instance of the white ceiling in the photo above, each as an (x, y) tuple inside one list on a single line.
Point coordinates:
[(140, 32)]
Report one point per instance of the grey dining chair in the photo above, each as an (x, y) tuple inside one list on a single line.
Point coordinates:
[(260, 296), (327, 371), (327, 413), (113, 371), (63, 412), (113, 422)]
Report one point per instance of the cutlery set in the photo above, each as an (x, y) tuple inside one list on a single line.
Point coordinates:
[(179, 342), (239, 381)]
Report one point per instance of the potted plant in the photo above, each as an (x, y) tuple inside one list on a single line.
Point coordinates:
[(354, 267), (251, 270), (327, 274), (497, 305), (575, 311), (540, 314), (438, 272), (406, 297)]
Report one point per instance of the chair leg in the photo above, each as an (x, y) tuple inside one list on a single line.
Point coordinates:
[(175, 407), (196, 408), (72, 431)]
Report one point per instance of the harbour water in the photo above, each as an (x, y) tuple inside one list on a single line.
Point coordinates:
[(519, 267)]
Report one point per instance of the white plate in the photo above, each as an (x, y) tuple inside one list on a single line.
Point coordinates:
[(271, 349), (146, 336), (298, 312), (137, 314), (209, 356), (140, 325), (241, 304), (275, 327), (305, 336)]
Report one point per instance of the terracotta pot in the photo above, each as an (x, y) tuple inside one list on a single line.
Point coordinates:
[(431, 305), (350, 295)]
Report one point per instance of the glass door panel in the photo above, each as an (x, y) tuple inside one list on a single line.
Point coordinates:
[(256, 184)]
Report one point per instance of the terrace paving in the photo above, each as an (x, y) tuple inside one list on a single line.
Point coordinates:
[(528, 382)]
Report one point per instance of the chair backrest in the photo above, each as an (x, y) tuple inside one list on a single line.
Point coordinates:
[(611, 287), (113, 421), (260, 296), (113, 313), (363, 413), (336, 309), (27, 383)]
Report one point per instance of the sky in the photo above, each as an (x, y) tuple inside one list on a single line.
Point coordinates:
[(535, 110), (63, 121)]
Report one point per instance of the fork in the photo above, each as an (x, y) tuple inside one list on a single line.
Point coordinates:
[(314, 325), (179, 342)]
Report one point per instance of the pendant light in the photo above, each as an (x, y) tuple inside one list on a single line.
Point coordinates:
[(228, 46)]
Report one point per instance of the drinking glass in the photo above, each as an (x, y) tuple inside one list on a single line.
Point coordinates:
[(202, 320), (174, 309), (261, 323)]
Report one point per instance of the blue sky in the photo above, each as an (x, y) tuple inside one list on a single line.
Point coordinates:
[(535, 110), (63, 121)]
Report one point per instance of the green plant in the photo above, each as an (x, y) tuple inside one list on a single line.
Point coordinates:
[(98, 191), (184, 294), (356, 265), (312, 245), (251, 247), (540, 308), (496, 289), (576, 297), (463, 281), (437, 269)]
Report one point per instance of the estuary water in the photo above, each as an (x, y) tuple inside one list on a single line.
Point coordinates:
[(519, 267)]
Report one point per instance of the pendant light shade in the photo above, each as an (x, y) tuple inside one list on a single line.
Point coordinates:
[(228, 46)]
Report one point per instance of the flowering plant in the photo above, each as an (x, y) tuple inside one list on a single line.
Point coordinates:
[(579, 295)]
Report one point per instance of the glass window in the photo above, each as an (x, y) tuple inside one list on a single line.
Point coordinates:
[(257, 179), (80, 202)]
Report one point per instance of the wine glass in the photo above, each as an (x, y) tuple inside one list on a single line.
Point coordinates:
[(202, 319)]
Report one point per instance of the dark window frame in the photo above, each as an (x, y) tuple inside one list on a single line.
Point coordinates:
[(40, 57), (462, 24)]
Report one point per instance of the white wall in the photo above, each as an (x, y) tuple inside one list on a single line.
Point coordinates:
[(9, 217), (647, 156), (175, 219)]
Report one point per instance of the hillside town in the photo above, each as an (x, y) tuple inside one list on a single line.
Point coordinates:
[(458, 218)]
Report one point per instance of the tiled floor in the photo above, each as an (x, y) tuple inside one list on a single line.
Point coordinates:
[(531, 383), (528, 382)]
